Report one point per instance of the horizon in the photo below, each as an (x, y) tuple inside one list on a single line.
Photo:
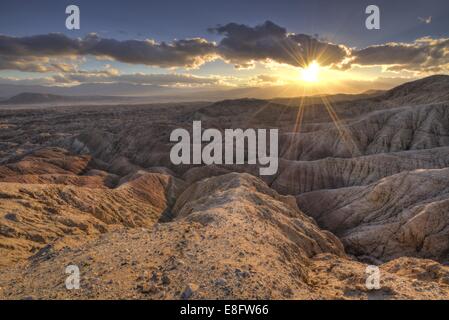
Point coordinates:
[(261, 50)]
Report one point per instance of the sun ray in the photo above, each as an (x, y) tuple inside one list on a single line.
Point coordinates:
[(342, 128), (296, 126)]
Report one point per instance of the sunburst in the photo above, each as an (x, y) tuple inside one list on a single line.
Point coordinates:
[(311, 72)]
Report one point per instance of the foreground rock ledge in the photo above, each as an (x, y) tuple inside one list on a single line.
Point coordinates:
[(229, 237)]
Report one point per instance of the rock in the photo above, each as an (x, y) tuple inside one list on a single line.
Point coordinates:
[(13, 217), (154, 276), (165, 280), (404, 214), (242, 274), (220, 282), (45, 187), (149, 288), (189, 291)]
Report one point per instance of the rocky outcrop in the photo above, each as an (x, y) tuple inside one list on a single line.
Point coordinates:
[(296, 177), (230, 237), (401, 215), (427, 90), (52, 201)]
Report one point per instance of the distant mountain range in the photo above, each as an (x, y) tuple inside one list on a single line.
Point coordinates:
[(28, 98), (158, 93), (425, 90), (46, 98), (86, 89)]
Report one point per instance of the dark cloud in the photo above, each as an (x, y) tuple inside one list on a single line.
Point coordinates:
[(28, 53), (179, 53), (242, 45), (328, 54), (53, 44), (35, 53), (424, 54)]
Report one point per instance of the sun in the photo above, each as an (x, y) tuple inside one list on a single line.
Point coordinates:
[(311, 72)]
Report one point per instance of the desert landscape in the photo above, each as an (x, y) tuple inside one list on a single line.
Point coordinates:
[(223, 158), (362, 180)]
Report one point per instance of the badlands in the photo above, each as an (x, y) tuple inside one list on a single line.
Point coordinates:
[(360, 182)]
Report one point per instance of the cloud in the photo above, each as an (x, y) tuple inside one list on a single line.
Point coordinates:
[(22, 64), (422, 55), (53, 44), (34, 64), (264, 80), (32, 53), (171, 79), (112, 76), (45, 81), (179, 53), (243, 45)]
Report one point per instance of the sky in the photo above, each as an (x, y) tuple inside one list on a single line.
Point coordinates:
[(317, 46)]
